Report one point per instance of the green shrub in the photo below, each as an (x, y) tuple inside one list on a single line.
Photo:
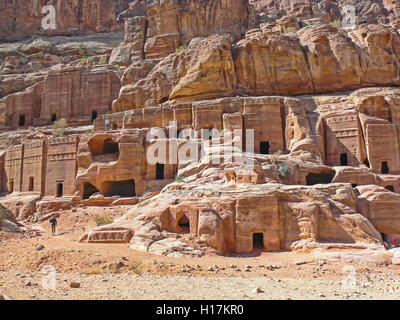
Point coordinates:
[(59, 126), (337, 23), (117, 66), (179, 178), (102, 220), (103, 60), (180, 49), (83, 60), (284, 170), (82, 50), (135, 268)]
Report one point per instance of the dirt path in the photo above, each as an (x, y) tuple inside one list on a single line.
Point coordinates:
[(116, 272), (28, 285)]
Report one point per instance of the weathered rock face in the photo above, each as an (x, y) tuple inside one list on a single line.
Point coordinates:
[(324, 166), (77, 95), (132, 47), (322, 59), (8, 223), (272, 65), (174, 23), (274, 220), (318, 59), (113, 165), (367, 11), (20, 18), (204, 70)]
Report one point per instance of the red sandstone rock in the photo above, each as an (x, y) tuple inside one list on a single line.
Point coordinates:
[(326, 167), (72, 16)]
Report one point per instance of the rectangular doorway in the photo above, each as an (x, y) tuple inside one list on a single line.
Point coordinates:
[(258, 241)]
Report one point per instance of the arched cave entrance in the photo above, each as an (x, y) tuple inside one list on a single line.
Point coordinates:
[(89, 190), (264, 147), (258, 241), (124, 189), (53, 117), (11, 186), (184, 224), (319, 178)]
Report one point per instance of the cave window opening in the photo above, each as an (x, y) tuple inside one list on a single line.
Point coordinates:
[(390, 188), (264, 147), (258, 241), (89, 190), (366, 162), (11, 188), (385, 167), (184, 224), (21, 121), (94, 115), (60, 190), (354, 185), (53, 117), (124, 189), (319, 178), (109, 146), (31, 183), (159, 171), (343, 159)]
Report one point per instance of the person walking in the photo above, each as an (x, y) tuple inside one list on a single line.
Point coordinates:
[(53, 222), (394, 241), (107, 124)]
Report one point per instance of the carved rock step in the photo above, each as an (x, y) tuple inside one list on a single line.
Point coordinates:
[(111, 236)]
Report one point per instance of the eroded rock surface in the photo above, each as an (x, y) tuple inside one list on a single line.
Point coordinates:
[(78, 115)]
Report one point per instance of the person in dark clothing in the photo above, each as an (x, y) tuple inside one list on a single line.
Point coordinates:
[(53, 222), (107, 123)]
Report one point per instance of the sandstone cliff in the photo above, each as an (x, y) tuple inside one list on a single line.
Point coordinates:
[(21, 18), (322, 102)]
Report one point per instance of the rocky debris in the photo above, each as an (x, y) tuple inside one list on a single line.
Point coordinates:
[(74, 285), (8, 222), (395, 255), (257, 290), (3, 296), (173, 248), (365, 257), (22, 206)]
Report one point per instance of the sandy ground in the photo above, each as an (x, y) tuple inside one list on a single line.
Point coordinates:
[(113, 271)]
